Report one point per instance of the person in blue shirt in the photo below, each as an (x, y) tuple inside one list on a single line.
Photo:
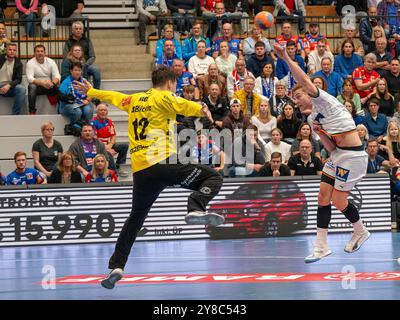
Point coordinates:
[(375, 121), (282, 69), (23, 175), (347, 61), (183, 78), (377, 163), (168, 56), (234, 44), (332, 78), (168, 35), (190, 44)]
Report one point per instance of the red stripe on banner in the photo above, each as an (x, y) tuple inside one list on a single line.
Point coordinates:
[(233, 278)]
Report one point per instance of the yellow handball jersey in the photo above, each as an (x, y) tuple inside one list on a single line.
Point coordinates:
[(152, 117)]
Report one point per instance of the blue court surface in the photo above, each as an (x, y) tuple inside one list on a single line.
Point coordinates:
[(247, 269)]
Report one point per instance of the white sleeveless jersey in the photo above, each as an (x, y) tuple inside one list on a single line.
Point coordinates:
[(333, 116)]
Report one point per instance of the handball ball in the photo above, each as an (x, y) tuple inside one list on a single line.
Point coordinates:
[(264, 20)]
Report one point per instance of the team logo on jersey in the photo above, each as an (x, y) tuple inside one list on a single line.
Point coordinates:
[(29, 176), (126, 101), (342, 174)]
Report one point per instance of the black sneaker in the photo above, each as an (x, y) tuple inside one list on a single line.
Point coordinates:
[(113, 277)]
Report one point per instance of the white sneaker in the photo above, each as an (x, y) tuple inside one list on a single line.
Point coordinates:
[(199, 217), (321, 249), (356, 241), (113, 277)]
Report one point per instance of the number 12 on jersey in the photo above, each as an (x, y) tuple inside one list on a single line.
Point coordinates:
[(139, 128)]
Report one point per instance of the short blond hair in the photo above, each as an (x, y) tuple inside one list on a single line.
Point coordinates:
[(46, 125)]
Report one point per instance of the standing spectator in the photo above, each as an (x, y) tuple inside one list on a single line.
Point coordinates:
[(350, 34), (235, 121), (264, 121), (366, 25), (275, 167), (235, 79), (183, 78), (277, 145), (4, 40), (212, 76), (333, 79), (249, 100), (86, 148), (65, 171), (377, 163), (288, 123), (74, 55), (393, 79), (294, 9), (78, 37), (100, 171), (386, 100), (65, 9), (74, 105), (311, 39), (280, 99), (315, 57), (256, 61), (168, 31), (365, 78), (168, 56), (234, 44), (375, 121), (198, 64), (347, 60), (218, 106), (184, 12), (305, 163), (349, 94), (265, 83), (28, 15), (282, 69), (287, 37), (11, 77), (23, 175), (148, 11), (352, 110), (190, 44), (225, 61), (383, 58), (250, 42), (305, 133), (43, 77), (46, 151), (104, 130)]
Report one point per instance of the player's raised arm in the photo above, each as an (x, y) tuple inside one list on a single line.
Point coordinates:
[(298, 74)]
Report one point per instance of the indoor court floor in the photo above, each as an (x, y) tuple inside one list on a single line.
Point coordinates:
[(247, 269)]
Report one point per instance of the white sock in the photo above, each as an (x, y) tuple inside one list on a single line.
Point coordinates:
[(322, 235), (358, 226)]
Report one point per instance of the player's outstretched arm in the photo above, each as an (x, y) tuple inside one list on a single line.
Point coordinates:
[(298, 74)]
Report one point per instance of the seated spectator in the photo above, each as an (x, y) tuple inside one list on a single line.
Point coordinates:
[(184, 11), (249, 100), (235, 79), (46, 151), (4, 40), (305, 133), (183, 78), (189, 48), (23, 175), (28, 15), (366, 78), (265, 83), (287, 37), (234, 44), (10, 80), (305, 163), (218, 106), (350, 35), (198, 64), (393, 79), (104, 130), (282, 69), (225, 61), (392, 142), (43, 77), (65, 9), (188, 92), (311, 39), (275, 167), (315, 56), (294, 10), (377, 163), (256, 61), (277, 145), (319, 82), (86, 148), (148, 11), (383, 57), (235, 121), (396, 116), (100, 171), (375, 121), (333, 79), (358, 119), (74, 105), (349, 94), (65, 171), (288, 123), (279, 99), (264, 121), (365, 27), (386, 100), (249, 43), (168, 31), (347, 61), (388, 12), (363, 134), (252, 156), (207, 153), (213, 76), (377, 32), (78, 37), (74, 55), (168, 56)]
